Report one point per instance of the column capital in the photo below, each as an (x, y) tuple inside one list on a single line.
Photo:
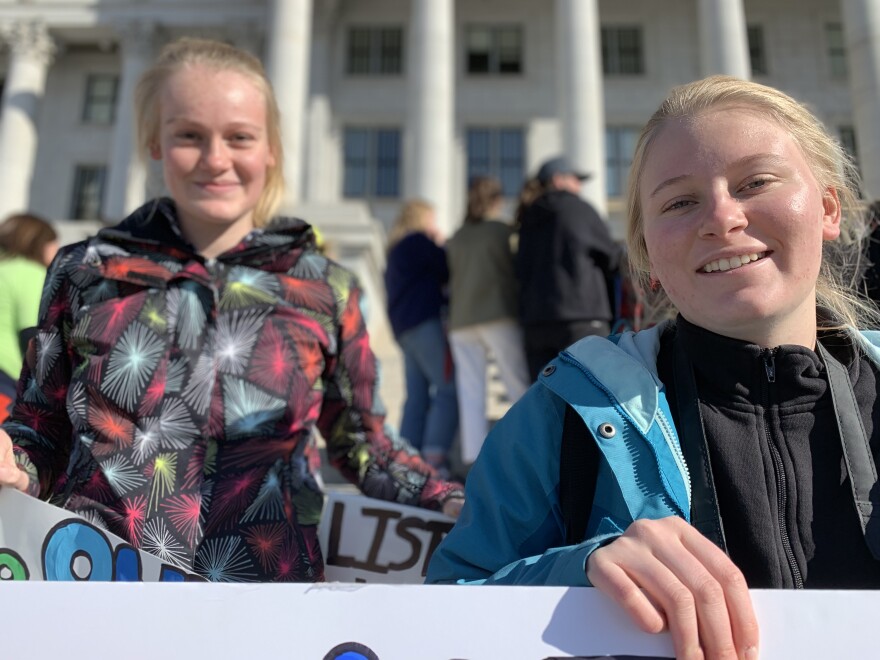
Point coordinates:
[(29, 39)]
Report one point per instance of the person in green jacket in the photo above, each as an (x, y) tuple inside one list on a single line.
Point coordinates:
[(28, 244)]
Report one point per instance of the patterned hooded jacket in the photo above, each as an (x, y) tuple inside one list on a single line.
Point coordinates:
[(172, 399)]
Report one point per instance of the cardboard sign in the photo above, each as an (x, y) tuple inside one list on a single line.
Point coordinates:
[(367, 540), (39, 541)]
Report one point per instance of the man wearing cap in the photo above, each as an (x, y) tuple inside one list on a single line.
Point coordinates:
[(565, 262)]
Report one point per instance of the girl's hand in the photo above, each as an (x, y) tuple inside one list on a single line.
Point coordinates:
[(10, 473), (666, 574)]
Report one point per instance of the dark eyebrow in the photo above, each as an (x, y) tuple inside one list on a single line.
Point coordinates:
[(772, 159)]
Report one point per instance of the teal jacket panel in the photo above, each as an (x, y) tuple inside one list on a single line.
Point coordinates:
[(511, 529)]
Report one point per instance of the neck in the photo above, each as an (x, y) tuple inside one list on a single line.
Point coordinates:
[(798, 328), (211, 240)]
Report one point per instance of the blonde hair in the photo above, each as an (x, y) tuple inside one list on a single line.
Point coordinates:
[(414, 217), (191, 52), (837, 287)]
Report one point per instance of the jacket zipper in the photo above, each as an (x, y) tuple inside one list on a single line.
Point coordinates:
[(769, 356), (676, 449)]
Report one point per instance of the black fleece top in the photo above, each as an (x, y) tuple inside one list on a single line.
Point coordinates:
[(783, 491)]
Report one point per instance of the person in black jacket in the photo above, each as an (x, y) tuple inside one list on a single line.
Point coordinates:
[(566, 259)]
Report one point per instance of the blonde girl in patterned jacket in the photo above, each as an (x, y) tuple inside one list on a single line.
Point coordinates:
[(185, 356)]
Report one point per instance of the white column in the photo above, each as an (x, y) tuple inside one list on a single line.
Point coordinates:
[(862, 33), (581, 93), (320, 186), (32, 49), (127, 178), (724, 45), (287, 63), (430, 106)]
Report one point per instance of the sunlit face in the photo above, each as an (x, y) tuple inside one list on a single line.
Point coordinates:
[(734, 221), (214, 146)]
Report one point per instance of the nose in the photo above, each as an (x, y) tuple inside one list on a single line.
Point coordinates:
[(723, 215), (215, 155)]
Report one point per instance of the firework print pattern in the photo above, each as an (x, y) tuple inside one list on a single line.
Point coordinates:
[(174, 400)]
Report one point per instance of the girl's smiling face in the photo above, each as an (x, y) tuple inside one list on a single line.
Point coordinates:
[(734, 222), (214, 146)]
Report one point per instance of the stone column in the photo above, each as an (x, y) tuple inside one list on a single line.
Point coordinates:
[(320, 185), (430, 106), (127, 176), (724, 45), (287, 63), (32, 49), (862, 33), (581, 93)]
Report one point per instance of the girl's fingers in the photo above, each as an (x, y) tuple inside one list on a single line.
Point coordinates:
[(743, 622), (666, 568), (613, 581)]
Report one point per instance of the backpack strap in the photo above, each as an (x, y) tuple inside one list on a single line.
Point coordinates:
[(578, 472), (705, 515), (860, 465)]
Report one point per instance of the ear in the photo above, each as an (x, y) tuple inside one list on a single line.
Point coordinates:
[(155, 151), (270, 162), (830, 215)]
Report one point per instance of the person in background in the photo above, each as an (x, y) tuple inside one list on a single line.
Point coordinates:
[(483, 311), (185, 356), (732, 446), (28, 243), (565, 261), (416, 276)]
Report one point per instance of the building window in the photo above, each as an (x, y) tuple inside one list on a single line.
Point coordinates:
[(375, 51), (372, 162), (88, 192), (757, 53), (100, 102), (848, 142), (497, 152), (494, 50), (836, 50), (620, 145), (622, 51)]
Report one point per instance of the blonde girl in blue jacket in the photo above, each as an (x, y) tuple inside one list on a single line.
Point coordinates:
[(741, 208)]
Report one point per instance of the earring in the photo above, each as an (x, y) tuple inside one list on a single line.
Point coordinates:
[(654, 284)]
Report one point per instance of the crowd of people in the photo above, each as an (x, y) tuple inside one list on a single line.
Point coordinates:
[(168, 379), (516, 293)]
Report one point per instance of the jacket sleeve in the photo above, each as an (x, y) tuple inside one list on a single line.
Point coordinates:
[(39, 424), (352, 417), (510, 530)]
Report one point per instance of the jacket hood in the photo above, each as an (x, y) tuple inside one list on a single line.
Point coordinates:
[(153, 231)]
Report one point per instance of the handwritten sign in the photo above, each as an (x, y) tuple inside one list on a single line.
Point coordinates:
[(42, 542), (367, 540)]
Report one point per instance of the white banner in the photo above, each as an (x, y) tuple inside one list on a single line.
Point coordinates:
[(368, 540), (97, 620)]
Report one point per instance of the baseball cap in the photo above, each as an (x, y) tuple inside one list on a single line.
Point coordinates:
[(558, 165)]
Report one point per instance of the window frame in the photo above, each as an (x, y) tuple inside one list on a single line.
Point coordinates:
[(373, 162), (376, 55), (494, 62), (612, 51), (77, 197), (757, 46), (495, 165), (617, 166), (835, 54), (91, 100)]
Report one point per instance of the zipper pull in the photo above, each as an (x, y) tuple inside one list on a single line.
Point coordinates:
[(770, 365)]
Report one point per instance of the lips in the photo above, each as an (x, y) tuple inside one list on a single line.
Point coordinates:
[(732, 263)]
